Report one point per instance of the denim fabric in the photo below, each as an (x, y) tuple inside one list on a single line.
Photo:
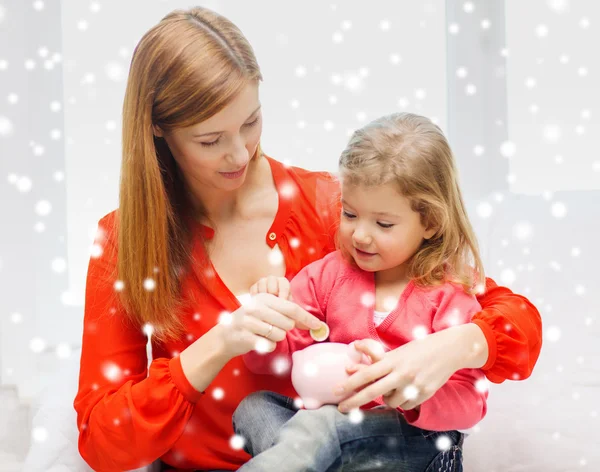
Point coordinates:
[(282, 438)]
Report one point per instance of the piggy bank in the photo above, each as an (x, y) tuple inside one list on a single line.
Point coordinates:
[(319, 368)]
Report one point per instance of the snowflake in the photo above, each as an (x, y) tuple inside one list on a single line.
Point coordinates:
[(310, 369), (420, 332), (114, 71), (462, 72), (508, 276), (300, 71), (484, 210), (410, 392), (112, 372), (559, 210), (558, 6), (39, 434), (6, 127), (523, 231), (149, 284), (453, 28), (37, 345), (59, 265), (16, 318), (553, 333), (356, 416), (275, 257), (218, 393), (508, 149), (443, 443), (552, 133), (38, 5), (367, 299), (486, 24), (63, 351), (237, 442), (541, 31)]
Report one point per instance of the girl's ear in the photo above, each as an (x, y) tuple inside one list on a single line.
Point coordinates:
[(157, 131), (429, 233)]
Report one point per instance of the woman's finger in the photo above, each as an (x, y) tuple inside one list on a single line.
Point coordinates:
[(367, 394), (270, 316), (263, 329), (302, 318), (254, 289)]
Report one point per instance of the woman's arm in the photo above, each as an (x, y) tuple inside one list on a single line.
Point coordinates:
[(512, 328), (129, 415)]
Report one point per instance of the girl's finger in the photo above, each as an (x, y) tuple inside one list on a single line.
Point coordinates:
[(272, 285), (353, 368), (363, 377), (262, 285), (254, 289), (371, 348), (367, 394), (284, 288)]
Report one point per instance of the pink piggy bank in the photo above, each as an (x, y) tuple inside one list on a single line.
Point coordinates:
[(319, 368)]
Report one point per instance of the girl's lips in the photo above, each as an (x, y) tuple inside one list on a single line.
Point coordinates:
[(234, 175), (363, 253)]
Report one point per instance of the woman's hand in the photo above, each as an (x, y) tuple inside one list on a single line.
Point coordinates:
[(278, 286), (261, 323), (412, 373)]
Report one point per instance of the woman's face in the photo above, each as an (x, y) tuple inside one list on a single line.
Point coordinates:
[(215, 153)]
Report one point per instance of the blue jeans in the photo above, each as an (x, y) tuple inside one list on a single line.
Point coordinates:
[(281, 437)]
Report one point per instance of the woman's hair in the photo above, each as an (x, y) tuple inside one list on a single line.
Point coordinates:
[(184, 70), (411, 153)]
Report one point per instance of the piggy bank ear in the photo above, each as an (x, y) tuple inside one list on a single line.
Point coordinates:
[(353, 353), (365, 360)]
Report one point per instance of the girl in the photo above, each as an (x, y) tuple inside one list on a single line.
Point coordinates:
[(408, 264)]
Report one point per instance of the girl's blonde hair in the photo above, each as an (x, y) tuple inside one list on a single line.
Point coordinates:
[(184, 70), (412, 153)]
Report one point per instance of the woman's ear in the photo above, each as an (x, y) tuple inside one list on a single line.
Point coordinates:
[(157, 131)]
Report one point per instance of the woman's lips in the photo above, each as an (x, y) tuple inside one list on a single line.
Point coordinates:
[(234, 175)]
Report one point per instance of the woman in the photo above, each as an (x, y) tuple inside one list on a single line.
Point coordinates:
[(203, 215)]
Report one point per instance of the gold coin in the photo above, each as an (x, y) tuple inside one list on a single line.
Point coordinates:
[(320, 334)]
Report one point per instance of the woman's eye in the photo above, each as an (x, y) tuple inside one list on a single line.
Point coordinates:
[(252, 123), (348, 215), (385, 225), (212, 143)]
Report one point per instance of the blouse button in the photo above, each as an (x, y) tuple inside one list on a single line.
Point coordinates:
[(272, 236)]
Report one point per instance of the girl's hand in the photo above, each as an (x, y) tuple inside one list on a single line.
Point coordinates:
[(278, 286), (260, 324), (412, 373)]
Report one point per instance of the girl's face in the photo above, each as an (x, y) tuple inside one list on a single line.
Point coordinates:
[(379, 229), (215, 154)]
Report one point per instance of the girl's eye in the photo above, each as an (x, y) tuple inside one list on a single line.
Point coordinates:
[(212, 143), (385, 225), (348, 215)]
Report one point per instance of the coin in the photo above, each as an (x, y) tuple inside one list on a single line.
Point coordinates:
[(320, 334)]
